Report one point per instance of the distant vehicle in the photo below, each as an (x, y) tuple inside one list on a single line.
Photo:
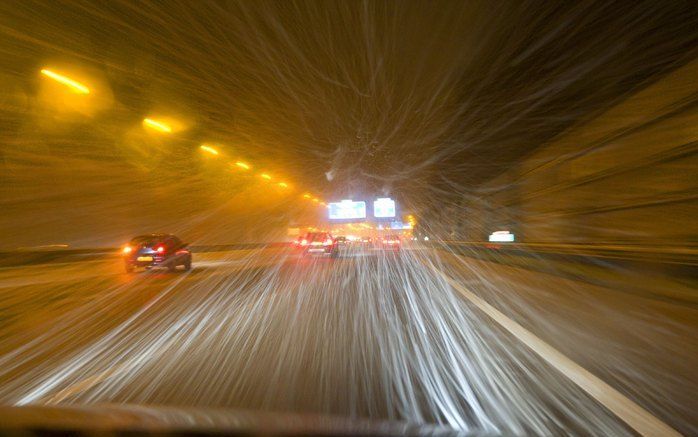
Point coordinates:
[(156, 250), (342, 243), (390, 242), (319, 243)]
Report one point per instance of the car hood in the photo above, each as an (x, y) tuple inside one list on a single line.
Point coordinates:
[(111, 419)]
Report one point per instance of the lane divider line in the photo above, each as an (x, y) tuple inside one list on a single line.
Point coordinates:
[(639, 419)]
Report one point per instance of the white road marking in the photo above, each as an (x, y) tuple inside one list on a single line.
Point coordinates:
[(639, 419), (83, 385)]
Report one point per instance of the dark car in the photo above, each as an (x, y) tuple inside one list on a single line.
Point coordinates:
[(296, 243), (366, 241), (156, 250), (319, 243), (390, 242)]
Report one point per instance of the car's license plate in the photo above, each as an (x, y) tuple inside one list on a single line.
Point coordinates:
[(144, 258)]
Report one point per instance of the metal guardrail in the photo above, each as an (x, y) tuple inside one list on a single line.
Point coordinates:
[(605, 265), (661, 254), (20, 257)]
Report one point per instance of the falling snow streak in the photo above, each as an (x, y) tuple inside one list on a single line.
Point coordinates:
[(570, 124), (421, 100), (371, 336)]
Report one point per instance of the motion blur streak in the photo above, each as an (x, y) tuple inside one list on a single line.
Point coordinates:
[(209, 149), (157, 125), (540, 155), (76, 86), (403, 346)]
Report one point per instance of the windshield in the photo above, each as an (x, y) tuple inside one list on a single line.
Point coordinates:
[(317, 236), (338, 217), (147, 240)]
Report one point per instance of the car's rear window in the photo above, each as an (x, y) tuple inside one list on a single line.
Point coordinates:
[(315, 236), (146, 240)]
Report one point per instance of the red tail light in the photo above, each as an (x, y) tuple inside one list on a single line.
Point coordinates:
[(160, 249), (127, 250), (304, 242)]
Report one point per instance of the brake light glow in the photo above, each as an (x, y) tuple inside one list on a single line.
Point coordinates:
[(127, 249), (304, 242), (160, 249)]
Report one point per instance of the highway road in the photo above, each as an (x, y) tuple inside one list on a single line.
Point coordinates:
[(423, 336)]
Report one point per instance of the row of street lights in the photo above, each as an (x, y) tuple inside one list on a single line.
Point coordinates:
[(245, 166), (166, 128)]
